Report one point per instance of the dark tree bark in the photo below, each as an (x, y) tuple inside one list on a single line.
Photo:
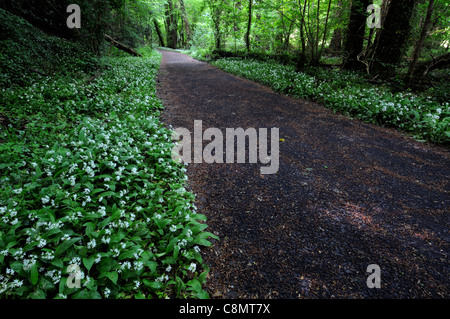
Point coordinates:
[(171, 26), (158, 32), (419, 44), (187, 26), (121, 46), (249, 25), (301, 60), (336, 39), (393, 37), (441, 62), (354, 42)]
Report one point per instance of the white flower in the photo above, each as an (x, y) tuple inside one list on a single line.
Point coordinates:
[(72, 180), (192, 267), (42, 243), (102, 211), (182, 243), (75, 261), (91, 244), (17, 283), (18, 191), (48, 255), (106, 292), (45, 199), (173, 228)]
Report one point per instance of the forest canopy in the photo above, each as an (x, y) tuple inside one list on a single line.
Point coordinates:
[(377, 37)]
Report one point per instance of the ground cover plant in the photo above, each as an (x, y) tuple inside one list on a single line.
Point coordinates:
[(91, 203), (349, 93)]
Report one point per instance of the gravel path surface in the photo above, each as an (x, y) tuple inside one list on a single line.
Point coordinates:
[(347, 195)]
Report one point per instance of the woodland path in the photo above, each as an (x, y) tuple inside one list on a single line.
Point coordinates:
[(347, 195)]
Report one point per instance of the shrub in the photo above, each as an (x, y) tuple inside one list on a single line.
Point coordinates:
[(347, 93), (91, 194)]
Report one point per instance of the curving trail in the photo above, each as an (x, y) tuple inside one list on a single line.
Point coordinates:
[(347, 195)]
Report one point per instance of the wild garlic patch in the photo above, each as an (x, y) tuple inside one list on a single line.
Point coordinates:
[(92, 185), (347, 93)]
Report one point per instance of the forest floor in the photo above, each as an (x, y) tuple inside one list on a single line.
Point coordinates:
[(347, 195)]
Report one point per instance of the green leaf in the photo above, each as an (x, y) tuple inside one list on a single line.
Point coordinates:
[(108, 193), (201, 239), (34, 275), (88, 262), (202, 295), (139, 295), (113, 276), (65, 245), (58, 263), (83, 294), (30, 246), (38, 294), (195, 285), (90, 227), (153, 285)]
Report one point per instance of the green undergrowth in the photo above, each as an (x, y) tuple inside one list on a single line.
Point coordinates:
[(92, 204), (423, 117), (28, 54)]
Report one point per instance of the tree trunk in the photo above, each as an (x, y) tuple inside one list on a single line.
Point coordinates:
[(158, 31), (301, 60), (187, 27), (441, 62), (324, 34), (354, 42), (121, 46), (419, 44), (394, 35), (249, 25), (171, 26), (336, 39)]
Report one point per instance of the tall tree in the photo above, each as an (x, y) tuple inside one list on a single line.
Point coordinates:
[(301, 60), (171, 25), (158, 32), (419, 44), (393, 36), (336, 39), (186, 24), (249, 25), (354, 41)]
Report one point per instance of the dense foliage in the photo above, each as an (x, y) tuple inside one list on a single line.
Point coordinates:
[(348, 93), (90, 193)]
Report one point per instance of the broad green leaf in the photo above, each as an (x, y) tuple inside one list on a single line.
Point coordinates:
[(113, 276), (34, 277), (88, 262), (65, 245)]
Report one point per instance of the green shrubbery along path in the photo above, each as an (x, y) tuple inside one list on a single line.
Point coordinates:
[(91, 204), (348, 93)]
